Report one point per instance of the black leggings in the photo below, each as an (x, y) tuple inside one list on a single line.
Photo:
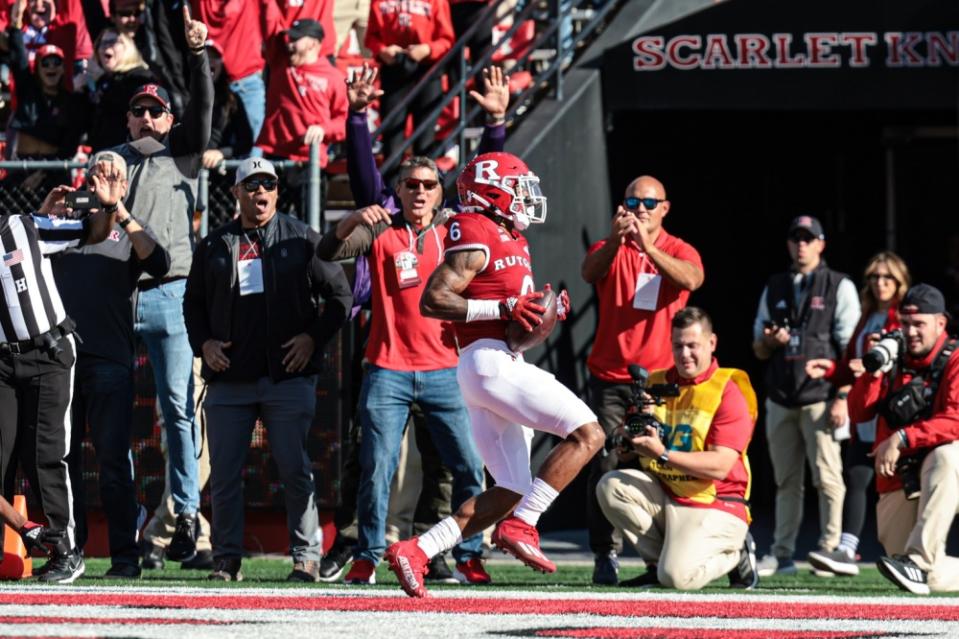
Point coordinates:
[(858, 472)]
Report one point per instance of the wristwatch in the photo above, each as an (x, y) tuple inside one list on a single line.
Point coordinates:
[(125, 222), (842, 395), (664, 458)]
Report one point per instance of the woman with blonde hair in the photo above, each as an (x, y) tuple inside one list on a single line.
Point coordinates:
[(123, 72), (886, 279)]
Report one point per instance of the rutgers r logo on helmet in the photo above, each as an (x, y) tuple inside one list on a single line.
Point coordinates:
[(501, 184)]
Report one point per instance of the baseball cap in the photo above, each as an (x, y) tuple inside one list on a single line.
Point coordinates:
[(154, 91), (807, 223), (922, 299), (48, 50), (307, 27), (108, 156), (254, 166)]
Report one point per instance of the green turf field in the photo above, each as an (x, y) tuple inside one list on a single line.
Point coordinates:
[(271, 572)]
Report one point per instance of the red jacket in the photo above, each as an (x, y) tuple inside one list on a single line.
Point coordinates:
[(406, 22), (238, 29), (280, 14), (297, 98), (68, 31), (941, 428)]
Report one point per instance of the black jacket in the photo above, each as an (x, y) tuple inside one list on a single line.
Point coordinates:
[(294, 281)]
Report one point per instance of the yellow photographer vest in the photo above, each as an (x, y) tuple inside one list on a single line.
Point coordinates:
[(688, 418)]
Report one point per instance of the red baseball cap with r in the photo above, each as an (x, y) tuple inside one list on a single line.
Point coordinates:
[(154, 91)]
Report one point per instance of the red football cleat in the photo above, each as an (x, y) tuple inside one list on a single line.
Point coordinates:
[(516, 537), (362, 572), (471, 573), (410, 565)]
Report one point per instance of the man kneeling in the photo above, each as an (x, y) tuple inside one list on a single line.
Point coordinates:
[(686, 511)]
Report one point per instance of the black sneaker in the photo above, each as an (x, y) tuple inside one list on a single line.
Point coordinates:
[(63, 568), (183, 545), (745, 575), (439, 571), (123, 571), (606, 569), (152, 557), (202, 561), (648, 579), (903, 571), (334, 562), (307, 571), (226, 569)]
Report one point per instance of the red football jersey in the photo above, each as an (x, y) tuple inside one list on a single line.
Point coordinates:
[(507, 272)]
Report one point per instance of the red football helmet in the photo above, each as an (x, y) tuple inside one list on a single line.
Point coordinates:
[(501, 183)]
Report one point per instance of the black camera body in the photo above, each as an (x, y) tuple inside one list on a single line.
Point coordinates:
[(775, 325), (637, 421)]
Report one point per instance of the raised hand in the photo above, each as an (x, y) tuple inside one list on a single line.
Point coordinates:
[(54, 204), (194, 30), (360, 90), (495, 96), (108, 183)]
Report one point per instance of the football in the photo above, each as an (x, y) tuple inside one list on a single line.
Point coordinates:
[(519, 339)]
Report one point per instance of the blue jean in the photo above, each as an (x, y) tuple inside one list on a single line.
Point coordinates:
[(103, 400), (385, 400), (159, 323), (252, 93)]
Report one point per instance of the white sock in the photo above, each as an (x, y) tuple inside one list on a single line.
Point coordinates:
[(848, 543), (535, 502), (440, 537)]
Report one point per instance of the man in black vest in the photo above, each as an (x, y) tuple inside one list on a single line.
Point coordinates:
[(808, 312)]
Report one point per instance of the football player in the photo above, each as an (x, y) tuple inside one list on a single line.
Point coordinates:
[(485, 282)]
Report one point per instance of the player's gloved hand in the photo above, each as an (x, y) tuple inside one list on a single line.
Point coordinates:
[(562, 303), (523, 309), (34, 538)]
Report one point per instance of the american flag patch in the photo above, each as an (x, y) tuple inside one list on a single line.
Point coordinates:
[(13, 258)]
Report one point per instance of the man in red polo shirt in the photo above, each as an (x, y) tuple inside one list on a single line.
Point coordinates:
[(643, 277)]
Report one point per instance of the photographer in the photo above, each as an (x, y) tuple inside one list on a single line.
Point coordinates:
[(37, 354), (912, 387), (686, 511)]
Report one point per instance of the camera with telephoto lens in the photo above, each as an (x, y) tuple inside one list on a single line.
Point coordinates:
[(637, 421), (885, 353)]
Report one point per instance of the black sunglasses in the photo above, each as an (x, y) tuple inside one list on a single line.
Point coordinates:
[(251, 185), (413, 184), (801, 236), (154, 111), (51, 62), (875, 277), (632, 203)]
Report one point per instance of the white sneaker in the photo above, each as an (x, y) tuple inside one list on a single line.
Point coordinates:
[(770, 565)]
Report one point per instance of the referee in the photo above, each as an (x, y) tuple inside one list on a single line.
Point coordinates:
[(37, 354)]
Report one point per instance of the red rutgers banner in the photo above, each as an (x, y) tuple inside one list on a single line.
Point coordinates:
[(742, 54)]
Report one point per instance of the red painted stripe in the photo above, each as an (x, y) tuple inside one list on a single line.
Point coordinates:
[(150, 621), (693, 633), (642, 608)]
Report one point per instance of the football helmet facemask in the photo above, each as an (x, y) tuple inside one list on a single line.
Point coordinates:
[(502, 184)]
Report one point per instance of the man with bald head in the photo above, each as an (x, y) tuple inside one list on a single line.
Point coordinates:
[(643, 277)]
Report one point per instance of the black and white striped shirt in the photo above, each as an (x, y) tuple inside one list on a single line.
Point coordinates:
[(33, 304)]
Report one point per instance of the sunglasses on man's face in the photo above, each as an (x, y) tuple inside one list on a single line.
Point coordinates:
[(253, 184), (51, 62), (808, 238), (127, 13), (632, 203), (414, 184), (154, 111)]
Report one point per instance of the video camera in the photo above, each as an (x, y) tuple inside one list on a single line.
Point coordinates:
[(884, 354), (636, 420)]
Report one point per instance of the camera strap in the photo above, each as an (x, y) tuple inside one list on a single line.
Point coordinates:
[(934, 374)]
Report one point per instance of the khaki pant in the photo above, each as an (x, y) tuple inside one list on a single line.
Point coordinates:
[(160, 530), (691, 546), (789, 432), (921, 526)]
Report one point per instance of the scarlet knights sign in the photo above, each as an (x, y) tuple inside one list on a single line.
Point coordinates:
[(769, 54)]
